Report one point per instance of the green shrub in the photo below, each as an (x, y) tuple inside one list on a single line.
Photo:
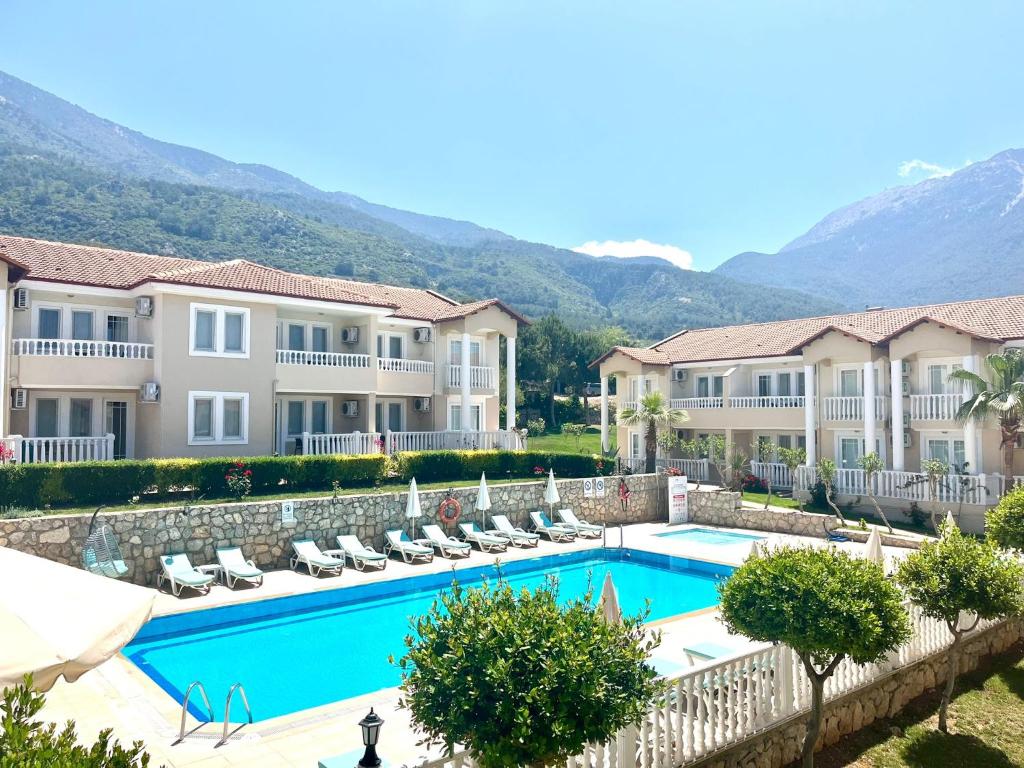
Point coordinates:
[(1004, 523), (438, 466)]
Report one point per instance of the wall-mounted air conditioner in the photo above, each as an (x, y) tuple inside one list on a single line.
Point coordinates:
[(349, 335), (19, 399), (149, 392), (906, 420), (21, 298), (421, 404), (905, 387), (350, 408), (143, 306), (422, 335), (680, 374), (907, 440), (905, 366)]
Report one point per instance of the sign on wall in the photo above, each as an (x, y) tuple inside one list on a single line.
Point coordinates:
[(678, 511), (588, 488), (287, 511), (599, 487)]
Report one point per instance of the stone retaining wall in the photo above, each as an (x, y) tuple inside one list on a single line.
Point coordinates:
[(256, 525), (780, 746)]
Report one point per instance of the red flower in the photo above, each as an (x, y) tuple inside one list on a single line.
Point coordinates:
[(248, 472)]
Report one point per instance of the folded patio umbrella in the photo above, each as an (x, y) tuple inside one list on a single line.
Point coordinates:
[(609, 602), (873, 548), (57, 620), (551, 491), (483, 499), (412, 506)]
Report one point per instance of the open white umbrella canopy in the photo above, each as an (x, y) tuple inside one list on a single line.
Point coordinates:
[(412, 505), (551, 496), (483, 499), (873, 548), (608, 605), (57, 620)]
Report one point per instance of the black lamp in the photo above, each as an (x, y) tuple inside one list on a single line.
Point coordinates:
[(371, 732)]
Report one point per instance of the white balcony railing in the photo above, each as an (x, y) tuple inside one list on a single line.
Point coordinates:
[(911, 486), (851, 408), (695, 403), (396, 442), (351, 443), (480, 377), (322, 359), (776, 473), (935, 407), (122, 350), (694, 469), (770, 401), (628, 405), (403, 365), (43, 450)]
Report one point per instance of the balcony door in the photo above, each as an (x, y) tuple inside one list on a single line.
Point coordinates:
[(849, 383), (390, 415), (115, 421), (455, 352), (849, 452)]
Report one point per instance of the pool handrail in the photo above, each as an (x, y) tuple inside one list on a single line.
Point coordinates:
[(184, 707)]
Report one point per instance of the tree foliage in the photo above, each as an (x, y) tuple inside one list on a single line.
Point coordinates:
[(871, 464), (522, 678), (1004, 523), (652, 414)]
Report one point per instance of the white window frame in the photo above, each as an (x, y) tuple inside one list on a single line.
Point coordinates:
[(710, 379), (944, 436), (218, 417), (99, 318), (307, 333), (219, 326), (473, 340), (476, 402), (385, 403), (384, 340), (924, 374), (307, 415)]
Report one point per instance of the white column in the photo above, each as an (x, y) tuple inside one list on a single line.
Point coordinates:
[(510, 383), (604, 414), (896, 393), (466, 401), (869, 407), (5, 349), (971, 428), (809, 415), (371, 410)]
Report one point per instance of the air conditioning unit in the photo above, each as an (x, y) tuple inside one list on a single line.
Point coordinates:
[(350, 408), (905, 388), (422, 335), (21, 298), (421, 404), (144, 306), (19, 399), (149, 392), (680, 374), (906, 420), (905, 366), (349, 335), (907, 441)]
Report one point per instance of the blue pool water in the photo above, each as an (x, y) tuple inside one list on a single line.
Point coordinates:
[(293, 653), (709, 536)]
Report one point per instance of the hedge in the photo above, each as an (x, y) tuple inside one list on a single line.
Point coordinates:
[(34, 486)]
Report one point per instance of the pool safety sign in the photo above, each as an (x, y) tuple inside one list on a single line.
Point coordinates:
[(678, 512), (593, 486)]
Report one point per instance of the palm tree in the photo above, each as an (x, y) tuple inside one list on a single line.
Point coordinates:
[(1002, 397), (652, 413)]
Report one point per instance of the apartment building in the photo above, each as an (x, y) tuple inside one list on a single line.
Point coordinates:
[(111, 354), (837, 386)]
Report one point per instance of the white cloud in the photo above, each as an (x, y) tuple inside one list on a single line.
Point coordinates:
[(930, 170), (632, 249)]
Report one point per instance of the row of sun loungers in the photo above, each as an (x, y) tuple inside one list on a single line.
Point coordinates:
[(232, 566)]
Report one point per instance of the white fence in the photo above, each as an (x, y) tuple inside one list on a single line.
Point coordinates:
[(696, 403), (694, 469), (771, 401), (778, 474), (480, 377), (121, 350), (353, 443), (452, 441), (322, 359), (43, 450), (852, 408), (708, 708), (935, 407), (402, 365), (911, 486)]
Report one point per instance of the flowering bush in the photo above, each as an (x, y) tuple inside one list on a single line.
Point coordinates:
[(538, 470), (6, 453), (673, 471), (754, 484), (239, 480), (379, 442)]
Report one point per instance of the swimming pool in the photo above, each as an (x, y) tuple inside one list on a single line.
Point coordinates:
[(709, 536), (297, 652)]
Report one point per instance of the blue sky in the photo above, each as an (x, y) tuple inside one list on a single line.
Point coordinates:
[(711, 127)]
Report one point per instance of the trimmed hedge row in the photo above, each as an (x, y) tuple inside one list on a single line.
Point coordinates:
[(110, 482)]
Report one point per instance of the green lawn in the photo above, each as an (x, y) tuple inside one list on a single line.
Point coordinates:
[(590, 442), (986, 722), (777, 501)]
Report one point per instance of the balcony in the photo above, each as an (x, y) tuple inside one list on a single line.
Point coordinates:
[(349, 443), (396, 442), (774, 472), (480, 377), (118, 350), (695, 403), (50, 362), (769, 401), (847, 408), (44, 450), (984, 490), (322, 359), (935, 407), (403, 365)]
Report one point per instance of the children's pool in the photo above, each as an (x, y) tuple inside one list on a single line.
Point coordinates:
[(302, 651), (709, 536)]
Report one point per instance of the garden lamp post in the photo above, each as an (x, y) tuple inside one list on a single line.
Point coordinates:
[(371, 732)]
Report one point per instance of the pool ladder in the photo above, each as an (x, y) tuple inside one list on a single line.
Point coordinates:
[(206, 700), (622, 537)]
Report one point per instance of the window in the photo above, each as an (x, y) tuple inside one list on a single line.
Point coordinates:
[(849, 452), (785, 441), (849, 383), (455, 352), (951, 452), (49, 323), (455, 420), (296, 337), (296, 417), (81, 325), (391, 345), (801, 441), (635, 445), (717, 386), (217, 331), (764, 385), (936, 379), (117, 327), (702, 386), (81, 418), (318, 417), (784, 379), (116, 424), (321, 338), (46, 417), (218, 417), (389, 415), (801, 386)]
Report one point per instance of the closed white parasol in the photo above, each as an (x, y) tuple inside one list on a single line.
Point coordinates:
[(483, 499), (412, 506)]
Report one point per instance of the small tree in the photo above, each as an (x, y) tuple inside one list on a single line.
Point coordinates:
[(872, 464), (652, 414), (692, 449), (822, 603), (955, 574), (28, 742), (793, 458), (574, 431), (827, 469), (765, 451), (1004, 523), (521, 680)]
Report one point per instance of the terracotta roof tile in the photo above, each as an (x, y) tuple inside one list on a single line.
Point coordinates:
[(645, 355)]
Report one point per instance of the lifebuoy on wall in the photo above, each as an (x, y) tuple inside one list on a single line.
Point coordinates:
[(449, 509)]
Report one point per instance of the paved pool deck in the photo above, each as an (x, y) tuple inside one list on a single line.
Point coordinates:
[(119, 696)]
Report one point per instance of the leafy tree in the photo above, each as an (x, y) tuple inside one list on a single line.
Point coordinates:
[(652, 414), (1002, 397), (958, 574), (575, 431), (822, 603), (766, 450), (872, 464), (793, 458), (28, 743), (827, 469), (520, 679), (1004, 523)]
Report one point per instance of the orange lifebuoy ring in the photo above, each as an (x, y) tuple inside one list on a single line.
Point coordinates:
[(449, 510)]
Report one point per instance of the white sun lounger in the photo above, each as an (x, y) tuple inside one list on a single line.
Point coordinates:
[(308, 553), (445, 544), (352, 548), (542, 524), (516, 536), (180, 573), (488, 542), (582, 527), (399, 541), (235, 568)]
